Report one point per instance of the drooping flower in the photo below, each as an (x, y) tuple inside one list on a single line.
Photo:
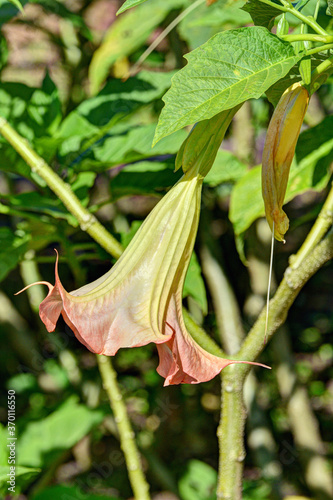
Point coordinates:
[(279, 150), (140, 299)]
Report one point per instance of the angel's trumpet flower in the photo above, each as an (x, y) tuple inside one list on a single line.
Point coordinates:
[(279, 150), (140, 299)]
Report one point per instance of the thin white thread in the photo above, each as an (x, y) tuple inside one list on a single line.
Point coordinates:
[(269, 283)]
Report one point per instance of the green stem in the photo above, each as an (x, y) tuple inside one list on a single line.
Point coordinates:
[(307, 37), (315, 14), (308, 260), (321, 73), (321, 48), (230, 436), (86, 220), (323, 222), (136, 475), (287, 7), (231, 428)]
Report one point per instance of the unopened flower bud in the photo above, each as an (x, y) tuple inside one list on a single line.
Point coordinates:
[(279, 150)]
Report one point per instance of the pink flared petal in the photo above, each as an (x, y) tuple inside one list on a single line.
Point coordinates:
[(183, 361), (51, 307), (103, 324)]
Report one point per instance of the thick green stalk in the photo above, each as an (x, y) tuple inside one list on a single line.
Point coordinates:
[(127, 441), (231, 428), (230, 436)]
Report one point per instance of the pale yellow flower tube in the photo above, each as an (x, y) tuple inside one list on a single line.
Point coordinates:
[(140, 299)]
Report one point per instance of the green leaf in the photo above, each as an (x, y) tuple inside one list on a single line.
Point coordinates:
[(42, 440), (35, 113), (230, 68), (262, 14), (64, 492), (135, 145), (276, 90), (199, 482), (34, 202), (128, 4), (126, 35), (144, 178), (24, 472), (9, 9), (94, 118), (314, 155), (127, 237), (17, 4), (12, 248), (329, 10), (194, 284), (226, 168)]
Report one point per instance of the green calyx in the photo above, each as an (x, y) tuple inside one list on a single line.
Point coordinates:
[(199, 150)]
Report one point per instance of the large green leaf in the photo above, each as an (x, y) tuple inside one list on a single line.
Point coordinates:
[(91, 122), (119, 97), (329, 10), (261, 13), (126, 35), (44, 439), (311, 170), (230, 68)]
